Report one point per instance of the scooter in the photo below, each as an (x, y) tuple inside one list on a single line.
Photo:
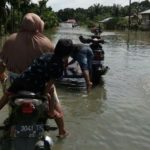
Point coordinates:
[(26, 125), (98, 67)]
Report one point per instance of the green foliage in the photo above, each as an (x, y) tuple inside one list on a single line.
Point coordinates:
[(122, 23), (99, 12), (66, 14), (49, 18), (10, 18)]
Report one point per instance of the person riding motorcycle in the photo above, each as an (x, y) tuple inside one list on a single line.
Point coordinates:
[(94, 41), (40, 77)]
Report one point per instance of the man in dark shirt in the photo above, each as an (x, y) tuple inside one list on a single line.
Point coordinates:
[(40, 76), (45, 68)]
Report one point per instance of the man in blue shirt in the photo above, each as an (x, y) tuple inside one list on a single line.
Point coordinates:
[(83, 54)]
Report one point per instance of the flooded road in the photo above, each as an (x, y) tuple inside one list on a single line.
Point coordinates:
[(115, 115)]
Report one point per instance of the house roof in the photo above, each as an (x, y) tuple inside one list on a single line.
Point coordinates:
[(134, 16), (105, 20), (71, 21), (146, 12)]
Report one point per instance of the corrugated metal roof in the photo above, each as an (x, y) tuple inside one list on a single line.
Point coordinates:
[(71, 21), (146, 12), (105, 20)]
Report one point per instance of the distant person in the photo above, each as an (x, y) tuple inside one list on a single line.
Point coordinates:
[(95, 42), (40, 78), (96, 30)]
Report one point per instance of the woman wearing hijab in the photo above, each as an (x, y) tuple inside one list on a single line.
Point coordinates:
[(19, 51), (21, 48)]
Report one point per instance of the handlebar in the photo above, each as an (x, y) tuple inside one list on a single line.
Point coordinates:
[(94, 39)]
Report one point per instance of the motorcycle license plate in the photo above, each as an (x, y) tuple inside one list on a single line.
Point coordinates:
[(29, 130)]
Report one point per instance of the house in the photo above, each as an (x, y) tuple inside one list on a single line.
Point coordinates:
[(145, 19), (72, 21), (105, 23), (135, 19), (106, 20)]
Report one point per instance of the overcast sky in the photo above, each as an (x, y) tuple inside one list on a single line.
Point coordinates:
[(61, 4)]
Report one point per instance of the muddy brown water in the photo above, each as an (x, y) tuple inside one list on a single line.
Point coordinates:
[(115, 115)]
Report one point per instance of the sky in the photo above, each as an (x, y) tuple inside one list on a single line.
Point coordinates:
[(61, 4)]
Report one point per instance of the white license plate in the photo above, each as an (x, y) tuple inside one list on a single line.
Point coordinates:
[(29, 130)]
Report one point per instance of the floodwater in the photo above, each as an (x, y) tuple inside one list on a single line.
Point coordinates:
[(115, 115)]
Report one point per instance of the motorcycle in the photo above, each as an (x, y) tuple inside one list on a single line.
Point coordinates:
[(98, 67), (73, 77), (26, 125)]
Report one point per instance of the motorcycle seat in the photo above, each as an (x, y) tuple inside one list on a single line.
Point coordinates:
[(29, 95)]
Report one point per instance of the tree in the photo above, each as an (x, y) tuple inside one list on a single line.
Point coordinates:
[(11, 17), (3, 15)]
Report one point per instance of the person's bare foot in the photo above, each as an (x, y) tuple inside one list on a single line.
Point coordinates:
[(61, 136)]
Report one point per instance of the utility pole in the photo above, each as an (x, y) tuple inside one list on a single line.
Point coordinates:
[(129, 14)]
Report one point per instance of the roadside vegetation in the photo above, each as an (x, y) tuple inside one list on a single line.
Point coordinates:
[(12, 11), (98, 12)]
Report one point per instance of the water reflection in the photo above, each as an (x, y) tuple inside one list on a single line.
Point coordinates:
[(89, 103), (95, 100)]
